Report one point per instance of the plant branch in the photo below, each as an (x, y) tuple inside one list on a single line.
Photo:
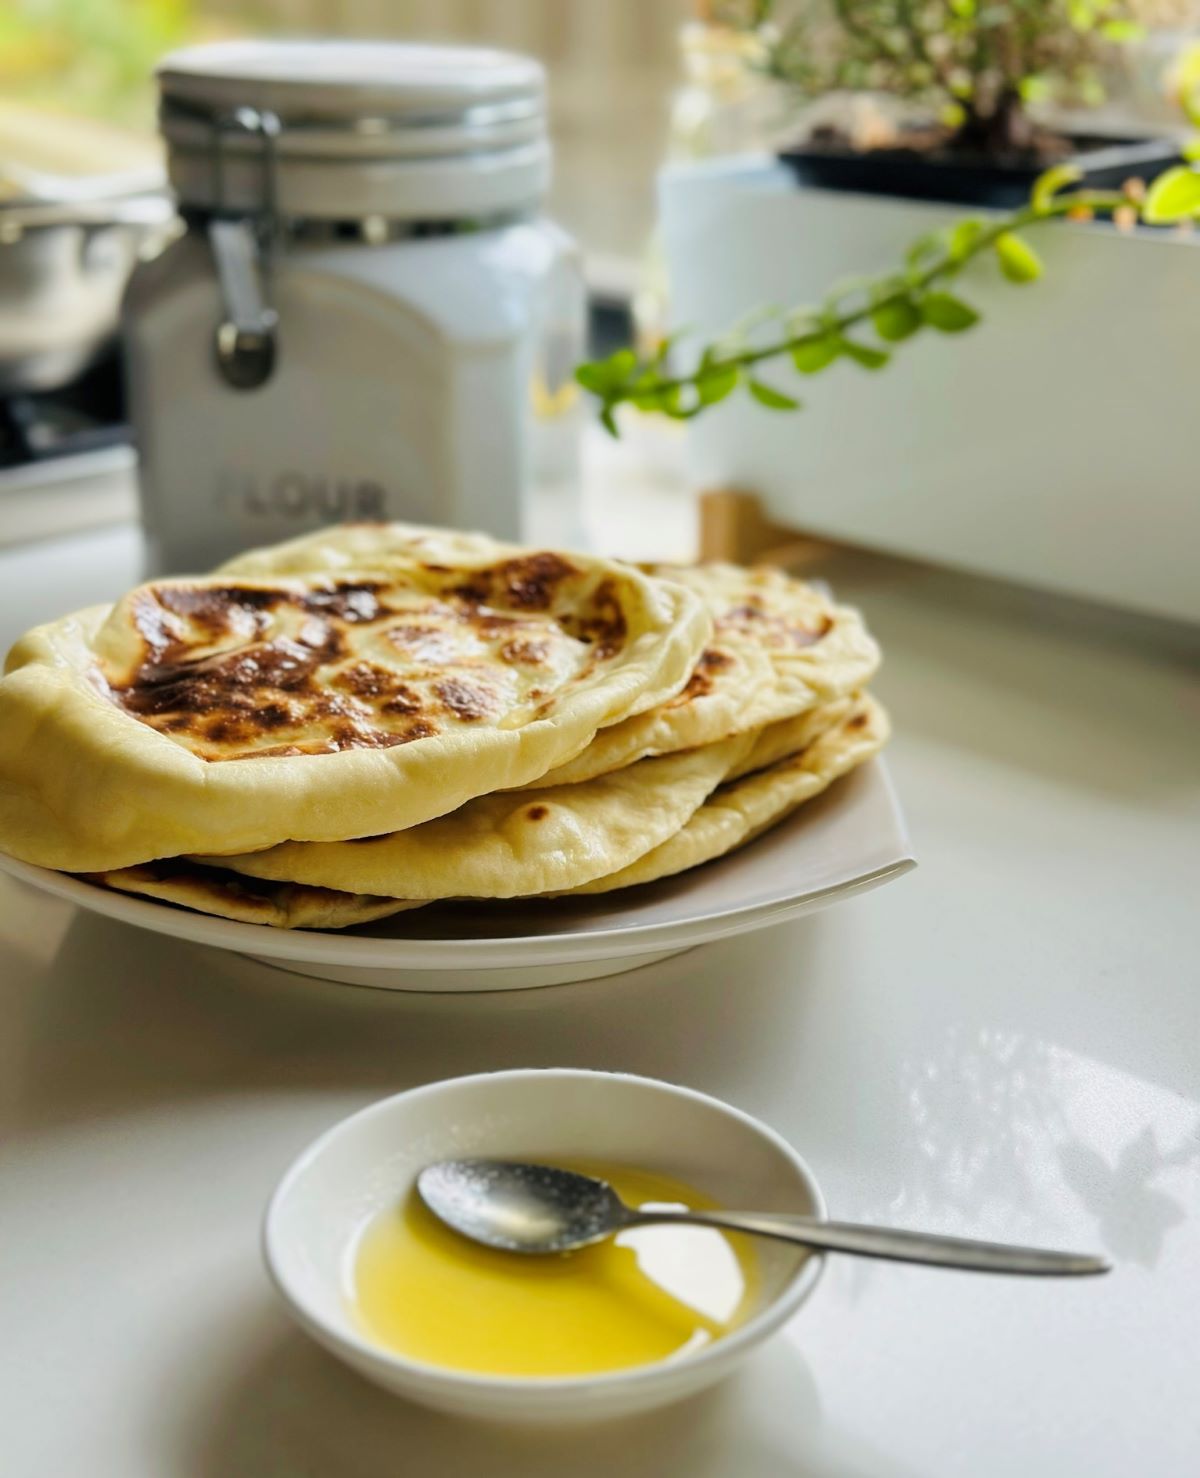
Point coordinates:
[(897, 305)]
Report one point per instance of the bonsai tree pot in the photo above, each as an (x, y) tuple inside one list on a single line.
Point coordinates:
[(958, 177)]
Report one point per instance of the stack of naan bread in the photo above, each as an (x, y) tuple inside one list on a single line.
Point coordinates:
[(377, 716)]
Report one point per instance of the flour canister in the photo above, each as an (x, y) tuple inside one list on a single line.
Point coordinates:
[(367, 316)]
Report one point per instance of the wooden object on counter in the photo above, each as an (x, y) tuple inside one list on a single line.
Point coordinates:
[(733, 526)]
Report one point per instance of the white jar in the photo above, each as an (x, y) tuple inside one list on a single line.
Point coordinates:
[(366, 317)]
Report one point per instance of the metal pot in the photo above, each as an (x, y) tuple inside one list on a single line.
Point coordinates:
[(63, 268)]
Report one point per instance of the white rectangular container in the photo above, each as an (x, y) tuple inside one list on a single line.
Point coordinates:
[(1055, 444)]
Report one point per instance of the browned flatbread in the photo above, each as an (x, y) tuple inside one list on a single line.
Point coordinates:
[(228, 895), (779, 648), (231, 712), (744, 808)]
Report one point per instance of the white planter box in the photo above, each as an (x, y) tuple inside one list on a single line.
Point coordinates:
[(1058, 443)]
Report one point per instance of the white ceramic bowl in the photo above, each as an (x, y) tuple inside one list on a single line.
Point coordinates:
[(372, 1158)]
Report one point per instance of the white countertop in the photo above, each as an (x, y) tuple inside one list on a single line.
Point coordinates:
[(1006, 1043)]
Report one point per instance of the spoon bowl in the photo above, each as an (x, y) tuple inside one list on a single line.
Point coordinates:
[(519, 1207)]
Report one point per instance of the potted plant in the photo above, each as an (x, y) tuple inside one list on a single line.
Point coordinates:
[(968, 72), (1055, 449)]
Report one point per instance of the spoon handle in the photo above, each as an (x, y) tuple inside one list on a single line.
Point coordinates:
[(899, 1246)]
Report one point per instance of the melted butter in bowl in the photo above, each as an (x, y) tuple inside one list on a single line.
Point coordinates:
[(609, 1331), (649, 1294)]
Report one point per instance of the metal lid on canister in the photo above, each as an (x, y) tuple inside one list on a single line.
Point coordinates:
[(342, 130)]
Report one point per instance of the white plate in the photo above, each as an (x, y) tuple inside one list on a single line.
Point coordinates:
[(847, 840)]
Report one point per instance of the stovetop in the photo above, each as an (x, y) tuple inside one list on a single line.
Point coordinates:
[(87, 415)]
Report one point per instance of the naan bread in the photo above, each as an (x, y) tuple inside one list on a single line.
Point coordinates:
[(344, 547), (508, 845), (788, 737), (212, 890), (778, 648), (743, 809), (235, 711)]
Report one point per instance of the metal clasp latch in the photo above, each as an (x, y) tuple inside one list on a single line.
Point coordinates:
[(243, 248)]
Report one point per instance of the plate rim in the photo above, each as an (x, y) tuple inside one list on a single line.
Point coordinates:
[(334, 947)]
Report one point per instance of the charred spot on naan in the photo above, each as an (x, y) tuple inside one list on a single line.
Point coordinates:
[(766, 612), (423, 643), (241, 670), (530, 582), (755, 618), (711, 662), (525, 652), (367, 680), (607, 628), (468, 701)]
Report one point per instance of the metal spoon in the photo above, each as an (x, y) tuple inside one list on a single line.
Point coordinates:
[(541, 1209)]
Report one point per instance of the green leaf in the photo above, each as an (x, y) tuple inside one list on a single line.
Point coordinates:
[(1035, 88), (847, 287), (863, 354), (799, 321), (1120, 31), (716, 382), (1048, 184), (1191, 150), (773, 399), (813, 355), (1187, 81), (948, 314), (1173, 196), (963, 237), (931, 244), (888, 287), (601, 376), (594, 376), (608, 421), (1018, 260), (896, 320), (665, 399), (622, 364)]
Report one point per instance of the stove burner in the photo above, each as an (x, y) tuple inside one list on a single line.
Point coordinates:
[(85, 416)]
